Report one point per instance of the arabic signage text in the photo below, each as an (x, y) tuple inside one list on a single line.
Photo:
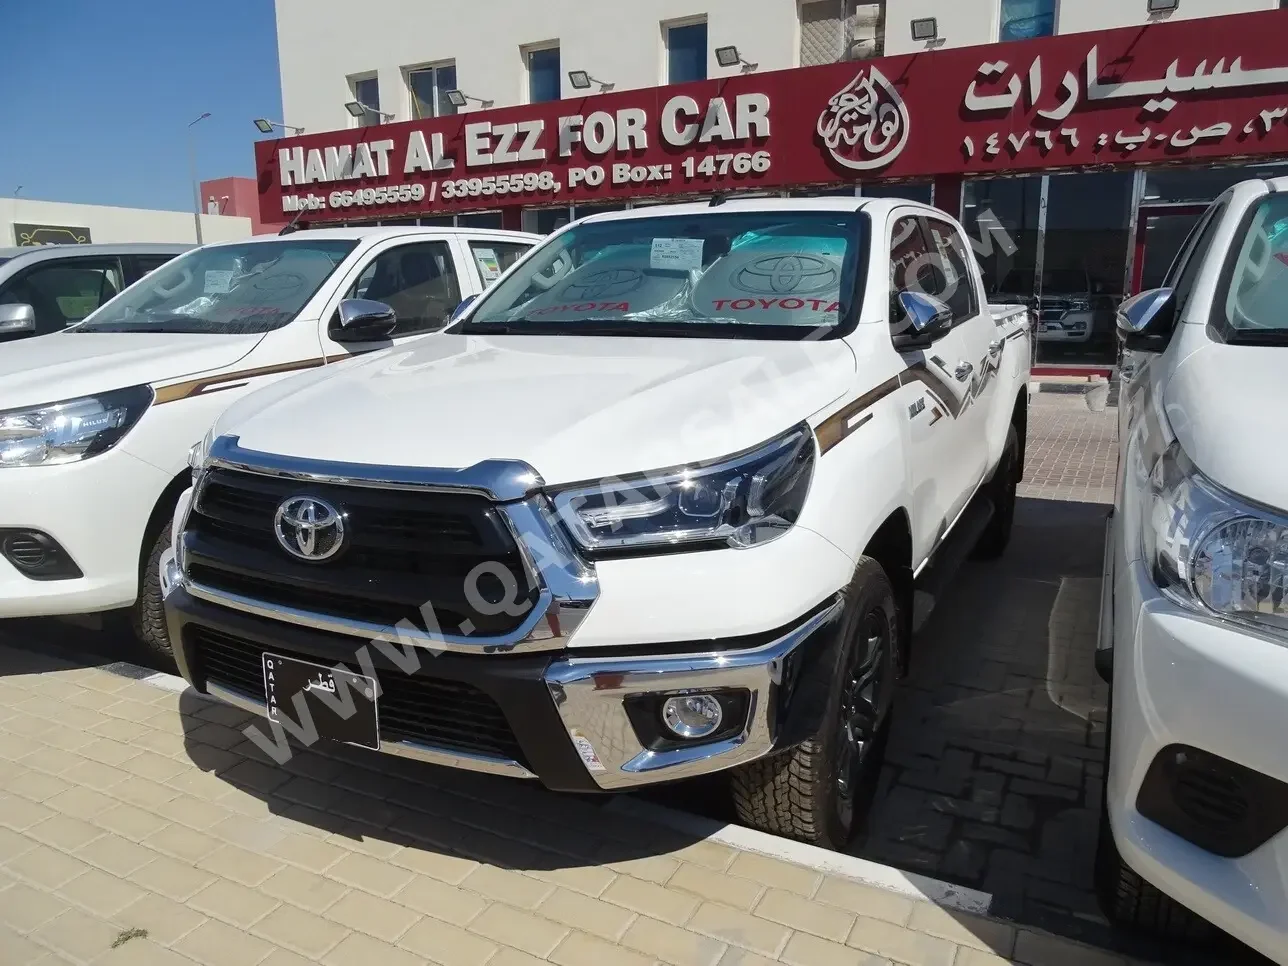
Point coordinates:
[(1166, 92)]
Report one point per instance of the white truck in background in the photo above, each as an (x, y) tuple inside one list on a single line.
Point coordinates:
[(653, 507), (96, 420)]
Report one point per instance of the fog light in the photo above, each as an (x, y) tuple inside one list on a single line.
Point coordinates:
[(692, 715)]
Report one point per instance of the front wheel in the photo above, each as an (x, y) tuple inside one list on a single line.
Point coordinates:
[(819, 791), (147, 616)]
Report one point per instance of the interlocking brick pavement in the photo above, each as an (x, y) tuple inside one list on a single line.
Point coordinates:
[(993, 775), (150, 832)]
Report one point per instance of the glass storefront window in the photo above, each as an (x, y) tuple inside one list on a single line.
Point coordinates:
[(542, 221), (585, 210), (921, 191), (1177, 185), (849, 192), (1084, 266), (1001, 217), (438, 221), (480, 219)]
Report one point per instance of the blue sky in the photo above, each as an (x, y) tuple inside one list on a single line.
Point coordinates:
[(99, 94)]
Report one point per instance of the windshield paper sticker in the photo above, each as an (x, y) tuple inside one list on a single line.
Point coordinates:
[(218, 283), (489, 265), (676, 254)]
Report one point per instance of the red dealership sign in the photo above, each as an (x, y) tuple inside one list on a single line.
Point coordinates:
[(1166, 92)]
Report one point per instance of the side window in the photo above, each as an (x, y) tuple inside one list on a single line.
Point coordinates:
[(909, 260), (957, 289), (1185, 271), (417, 281), (493, 258), (66, 291)]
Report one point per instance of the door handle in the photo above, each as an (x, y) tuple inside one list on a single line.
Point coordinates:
[(963, 371), (995, 347)]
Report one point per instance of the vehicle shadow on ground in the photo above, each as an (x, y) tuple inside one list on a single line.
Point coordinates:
[(993, 776), (379, 804)]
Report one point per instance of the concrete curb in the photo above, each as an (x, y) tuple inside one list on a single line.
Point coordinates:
[(909, 884)]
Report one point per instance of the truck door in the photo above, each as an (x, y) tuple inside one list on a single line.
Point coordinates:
[(946, 460), (417, 278), (982, 343)]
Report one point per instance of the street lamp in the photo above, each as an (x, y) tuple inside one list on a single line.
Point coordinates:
[(458, 98), (266, 126), (192, 170), (358, 109), (581, 80), (729, 57)]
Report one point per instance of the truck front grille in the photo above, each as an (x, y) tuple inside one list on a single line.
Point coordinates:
[(406, 551), (447, 714)]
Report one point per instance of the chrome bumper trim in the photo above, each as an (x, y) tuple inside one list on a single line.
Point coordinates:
[(568, 584), (590, 694), (418, 750)]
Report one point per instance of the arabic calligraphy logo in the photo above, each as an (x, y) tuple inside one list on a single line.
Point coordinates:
[(603, 285), (309, 528), (780, 274), (865, 125)]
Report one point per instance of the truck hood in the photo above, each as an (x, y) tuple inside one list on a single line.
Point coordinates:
[(573, 407), (1226, 403), (66, 365)]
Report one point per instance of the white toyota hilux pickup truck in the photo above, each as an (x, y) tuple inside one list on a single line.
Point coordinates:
[(1194, 613), (96, 420), (652, 507)]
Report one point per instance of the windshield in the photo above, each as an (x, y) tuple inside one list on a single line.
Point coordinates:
[(224, 289), (767, 274), (1257, 302)]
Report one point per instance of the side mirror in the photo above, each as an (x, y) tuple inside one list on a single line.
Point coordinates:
[(17, 318), (363, 320), (1145, 321), (927, 316), (461, 307)]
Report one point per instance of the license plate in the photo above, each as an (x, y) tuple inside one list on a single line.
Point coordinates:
[(342, 704)]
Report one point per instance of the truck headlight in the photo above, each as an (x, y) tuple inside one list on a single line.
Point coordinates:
[(1210, 550), (739, 501), (66, 432)]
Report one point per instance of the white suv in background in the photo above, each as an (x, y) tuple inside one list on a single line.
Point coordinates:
[(1194, 616), (96, 421)]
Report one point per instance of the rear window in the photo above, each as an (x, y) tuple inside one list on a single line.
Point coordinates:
[(1257, 300)]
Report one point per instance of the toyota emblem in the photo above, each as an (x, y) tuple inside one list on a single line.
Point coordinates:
[(309, 528)]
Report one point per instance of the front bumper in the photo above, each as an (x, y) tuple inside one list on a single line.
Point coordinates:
[(97, 511), (1061, 330), (574, 718), (1182, 679)]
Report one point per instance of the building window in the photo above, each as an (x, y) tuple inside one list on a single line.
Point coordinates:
[(429, 87), (366, 91), (1025, 19), (686, 53), (544, 80), (836, 30)]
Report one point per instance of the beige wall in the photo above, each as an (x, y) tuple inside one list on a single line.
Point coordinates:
[(107, 224)]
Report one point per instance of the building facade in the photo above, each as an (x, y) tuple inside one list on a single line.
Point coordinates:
[(1077, 139), (27, 221)]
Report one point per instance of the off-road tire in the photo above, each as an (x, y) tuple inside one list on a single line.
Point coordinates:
[(794, 793), (1130, 902), (1001, 491), (147, 616)]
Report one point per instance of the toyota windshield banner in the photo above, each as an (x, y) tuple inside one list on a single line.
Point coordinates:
[(1166, 92)]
